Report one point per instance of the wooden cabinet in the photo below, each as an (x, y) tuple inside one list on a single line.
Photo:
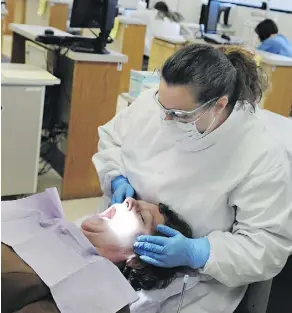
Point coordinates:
[(160, 51), (278, 97), (16, 14), (130, 40)]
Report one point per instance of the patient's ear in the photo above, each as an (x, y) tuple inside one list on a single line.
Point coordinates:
[(135, 262)]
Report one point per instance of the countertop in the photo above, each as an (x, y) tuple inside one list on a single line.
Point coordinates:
[(274, 59), (26, 75), (130, 20), (32, 31), (172, 39)]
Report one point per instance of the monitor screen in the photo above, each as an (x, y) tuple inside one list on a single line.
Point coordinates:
[(87, 13), (212, 17)]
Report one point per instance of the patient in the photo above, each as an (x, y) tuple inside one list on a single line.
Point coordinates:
[(113, 234)]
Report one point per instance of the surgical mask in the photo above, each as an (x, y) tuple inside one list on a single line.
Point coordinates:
[(191, 130)]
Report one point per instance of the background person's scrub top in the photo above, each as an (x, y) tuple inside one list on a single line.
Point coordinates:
[(277, 44), (236, 172)]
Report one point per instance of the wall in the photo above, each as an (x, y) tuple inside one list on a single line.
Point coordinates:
[(191, 9), (128, 3), (283, 20), (31, 16)]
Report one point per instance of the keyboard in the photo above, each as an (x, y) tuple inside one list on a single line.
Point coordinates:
[(75, 43), (64, 41), (217, 39)]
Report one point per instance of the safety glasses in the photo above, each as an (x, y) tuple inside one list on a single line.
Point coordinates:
[(181, 115)]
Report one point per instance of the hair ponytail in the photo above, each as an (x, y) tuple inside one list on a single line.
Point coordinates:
[(251, 81), (211, 73)]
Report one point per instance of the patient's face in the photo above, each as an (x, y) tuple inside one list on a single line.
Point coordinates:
[(114, 232)]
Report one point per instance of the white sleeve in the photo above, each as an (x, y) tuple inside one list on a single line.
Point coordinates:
[(261, 239), (108, 160)]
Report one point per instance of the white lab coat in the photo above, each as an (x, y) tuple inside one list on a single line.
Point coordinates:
[(234, 185)]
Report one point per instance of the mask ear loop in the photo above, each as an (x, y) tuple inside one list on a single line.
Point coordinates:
[(206, 132)]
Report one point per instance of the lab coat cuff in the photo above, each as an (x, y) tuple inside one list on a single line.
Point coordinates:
[(211, 265), (107, 190)]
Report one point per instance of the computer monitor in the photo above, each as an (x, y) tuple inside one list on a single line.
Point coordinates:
[(212, 17), (203, 14), (95, 14)]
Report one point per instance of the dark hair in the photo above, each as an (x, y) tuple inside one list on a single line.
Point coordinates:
[(215, 72), (161, 6), (163, 11), (150, 277), (266, 28)]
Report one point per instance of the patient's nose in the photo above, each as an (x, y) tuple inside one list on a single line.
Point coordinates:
[(131, 203)]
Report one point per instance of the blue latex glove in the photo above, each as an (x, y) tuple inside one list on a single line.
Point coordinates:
[(121, 189), (174, 250)]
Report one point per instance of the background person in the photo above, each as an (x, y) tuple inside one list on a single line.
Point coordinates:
[(271, 40), (160, 21)]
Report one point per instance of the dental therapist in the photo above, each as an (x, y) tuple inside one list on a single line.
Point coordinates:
[(160, 22), (198, 145)]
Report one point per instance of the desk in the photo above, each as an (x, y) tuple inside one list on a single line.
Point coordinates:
[(161, 50), (195, 28), (278, 98), (130, 40), (3, 15), (87, 100), (22, 96)]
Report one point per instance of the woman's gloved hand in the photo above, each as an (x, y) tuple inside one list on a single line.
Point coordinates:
[(121, 189), (174, 250)]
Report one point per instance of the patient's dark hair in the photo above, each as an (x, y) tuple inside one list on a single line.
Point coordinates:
[(148, 277)]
